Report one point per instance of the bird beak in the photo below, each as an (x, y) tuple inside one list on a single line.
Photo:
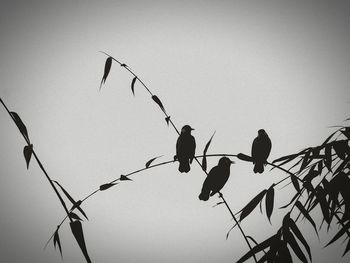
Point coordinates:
[(232, 161), (192, 129)]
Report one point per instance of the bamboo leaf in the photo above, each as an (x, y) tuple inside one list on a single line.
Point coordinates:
[(287, 157), (157, 100), (74, 216), (327, 140), (346, 132), (27, 152), (311, 174), (342, 165), (321, 198), (70, 198), (108, 66), (342, 231), (219, 203), (291, 201), (295, 182), (298, 234), (124, 178), (347, 248), (266, 243), (328, 157), (284, 253), (269, 201), (306, 161), (228, 233), (20, 125), (167, 119), (289, 238), (56, 241), (204, 160), (77, 231), (252, 204), (150, 161), (306, 214), (133, 85), (341, 148), (104, 187)]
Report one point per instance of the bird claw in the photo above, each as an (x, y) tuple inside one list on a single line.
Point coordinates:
[(220, 195)]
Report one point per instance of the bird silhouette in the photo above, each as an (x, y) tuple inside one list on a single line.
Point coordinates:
[(216, 179), (261, 149), (185, 149)]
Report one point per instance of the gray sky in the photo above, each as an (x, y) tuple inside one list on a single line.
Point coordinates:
[(227, 66)]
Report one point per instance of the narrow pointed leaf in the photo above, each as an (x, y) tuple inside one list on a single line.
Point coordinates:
[(306, 214), (20, 125), (219, 203), (295, 182), (306, 161), (327, 140), (342, 165), (124, 178), (56, 241), (74, 203), (287, 157), (298, 234), (341, 148), (106, 186), (290, 202), (346, 132), (157, 100), (289, 238), (228, 232), (284, 253), (133, 85), (244, 157), (251, 205), (108, 66), (167, 119), (342, 231), (77, 231), (347, 248), (74, 216), (253, 240), (266, 243), (204, 160), (321, 198), (27, 152), (150, 161), (269, 201), (328, 157)]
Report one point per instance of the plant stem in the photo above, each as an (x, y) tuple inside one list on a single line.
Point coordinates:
[(40, 165)]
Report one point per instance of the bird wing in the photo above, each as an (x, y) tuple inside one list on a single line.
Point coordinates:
[(261, 148), (178, 145), (192, 147), (255, 149)]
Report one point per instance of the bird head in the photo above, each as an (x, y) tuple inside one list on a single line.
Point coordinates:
[(224, 161), (262, 132), (186, 129)]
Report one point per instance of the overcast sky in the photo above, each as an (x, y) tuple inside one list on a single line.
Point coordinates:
[(227, 66)]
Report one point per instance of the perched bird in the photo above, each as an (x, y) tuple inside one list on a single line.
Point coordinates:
[(185, 149), (216, 179), (261, 149)]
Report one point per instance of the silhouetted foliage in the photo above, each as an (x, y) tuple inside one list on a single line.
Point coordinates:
[(319, 177)]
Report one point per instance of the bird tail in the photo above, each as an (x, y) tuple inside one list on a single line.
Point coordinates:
[(184, 166), (259, 168)]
